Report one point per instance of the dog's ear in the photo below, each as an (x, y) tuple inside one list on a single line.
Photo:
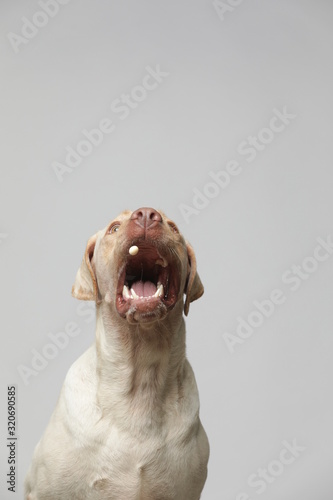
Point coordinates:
[(85, 285), (193, 288)]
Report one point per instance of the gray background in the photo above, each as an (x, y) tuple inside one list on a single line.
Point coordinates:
[(227, 74)]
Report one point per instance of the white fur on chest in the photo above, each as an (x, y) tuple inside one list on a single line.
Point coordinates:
[(117, 461)]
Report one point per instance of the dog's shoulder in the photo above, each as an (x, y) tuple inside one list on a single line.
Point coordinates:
[(78, 396), (82, 370)]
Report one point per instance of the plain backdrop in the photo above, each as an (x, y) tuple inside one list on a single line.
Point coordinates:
[(227, 69)]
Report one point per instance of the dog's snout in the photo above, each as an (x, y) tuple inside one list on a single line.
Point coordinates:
[(146, 217)]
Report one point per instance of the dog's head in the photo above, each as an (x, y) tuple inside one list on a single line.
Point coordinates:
[(143, 284)]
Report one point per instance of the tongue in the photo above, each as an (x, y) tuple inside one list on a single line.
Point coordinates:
[(144, 288)]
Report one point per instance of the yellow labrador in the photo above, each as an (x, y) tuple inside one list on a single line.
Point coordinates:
[(126, 426)]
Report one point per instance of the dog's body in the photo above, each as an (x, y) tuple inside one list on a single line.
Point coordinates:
[(126, 426)]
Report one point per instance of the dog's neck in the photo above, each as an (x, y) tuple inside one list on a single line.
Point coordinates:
[(141, 366)]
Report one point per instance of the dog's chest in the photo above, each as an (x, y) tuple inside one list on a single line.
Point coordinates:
[(125, 469), (152, 460)]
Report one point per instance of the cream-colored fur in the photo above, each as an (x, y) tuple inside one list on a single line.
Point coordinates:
[(126, 426)]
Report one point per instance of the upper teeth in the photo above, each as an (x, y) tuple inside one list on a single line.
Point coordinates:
[(134, 295), (126, 293), (129, 293)]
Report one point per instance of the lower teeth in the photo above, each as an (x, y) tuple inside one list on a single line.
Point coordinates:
[(131, 294)]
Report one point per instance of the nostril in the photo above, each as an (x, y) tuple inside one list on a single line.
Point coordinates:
[(137, 214), (146, 216), (153, 215)]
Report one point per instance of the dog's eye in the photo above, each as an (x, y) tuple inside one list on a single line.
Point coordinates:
[(114, 228), (173, 227)]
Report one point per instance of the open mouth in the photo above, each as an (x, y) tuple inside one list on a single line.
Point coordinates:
[(148, 282)]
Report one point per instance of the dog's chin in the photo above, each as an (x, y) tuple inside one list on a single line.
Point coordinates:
[(145, 311)]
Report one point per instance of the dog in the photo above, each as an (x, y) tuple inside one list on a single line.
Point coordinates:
[(126, 425)]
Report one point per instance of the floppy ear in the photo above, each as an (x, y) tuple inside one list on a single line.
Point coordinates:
[(194, 288), (85, 285)]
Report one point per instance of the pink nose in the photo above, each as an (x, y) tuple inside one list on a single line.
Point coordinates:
[(146, 217)]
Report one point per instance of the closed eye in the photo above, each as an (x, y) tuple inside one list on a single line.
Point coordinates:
[(173, 227)]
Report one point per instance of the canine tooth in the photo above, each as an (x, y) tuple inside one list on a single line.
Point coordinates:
[(134, 295), (126, 293), (133, 250), (159, 292)]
